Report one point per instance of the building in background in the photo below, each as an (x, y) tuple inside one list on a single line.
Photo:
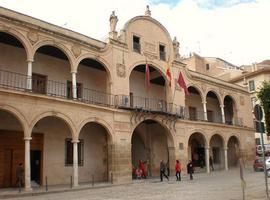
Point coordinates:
[(252, 77)]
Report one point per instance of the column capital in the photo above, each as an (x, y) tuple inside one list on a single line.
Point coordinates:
[(221, 105), (204, 102), (73, 72), (225, 148), (27, 138), (207, 147), (30, 60), (75, 141)]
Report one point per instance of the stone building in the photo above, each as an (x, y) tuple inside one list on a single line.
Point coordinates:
[(252, 77), (74, 106)]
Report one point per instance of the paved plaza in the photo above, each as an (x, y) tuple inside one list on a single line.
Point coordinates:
[(216, 186)]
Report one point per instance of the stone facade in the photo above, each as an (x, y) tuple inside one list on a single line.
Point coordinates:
[(67, 86)]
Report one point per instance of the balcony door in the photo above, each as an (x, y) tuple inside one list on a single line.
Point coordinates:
[(39, 83)]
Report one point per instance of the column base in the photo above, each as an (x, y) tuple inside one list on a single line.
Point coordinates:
[(28, 189)]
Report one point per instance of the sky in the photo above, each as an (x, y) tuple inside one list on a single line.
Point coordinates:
[(235, 30)]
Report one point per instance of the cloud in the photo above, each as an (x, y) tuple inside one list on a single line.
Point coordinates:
[(235, 30)]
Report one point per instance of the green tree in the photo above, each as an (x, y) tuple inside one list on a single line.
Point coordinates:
[(264, 97)]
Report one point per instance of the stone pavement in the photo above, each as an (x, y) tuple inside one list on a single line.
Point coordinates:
[(218, 185)]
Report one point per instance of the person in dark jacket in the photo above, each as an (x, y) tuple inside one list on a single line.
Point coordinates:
[(178, 170), (211, 163), (19, 175), (190, 170), (162, 170)]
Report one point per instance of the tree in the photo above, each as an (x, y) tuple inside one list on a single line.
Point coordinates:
[(264, 97)]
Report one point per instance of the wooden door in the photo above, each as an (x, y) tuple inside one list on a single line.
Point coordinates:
[(8, 159), (39, 83)]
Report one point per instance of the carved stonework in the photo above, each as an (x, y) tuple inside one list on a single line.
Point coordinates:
[(221, 92), (242, 100), (4, 27), (33, 37), (150, 56), (149, 47), (203, 86), (121, 70), (76, 50)]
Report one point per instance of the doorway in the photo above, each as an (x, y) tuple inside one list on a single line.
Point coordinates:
[(35, 165)]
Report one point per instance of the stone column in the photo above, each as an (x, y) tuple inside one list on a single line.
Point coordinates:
[(27, 166), (222, 113), (226, 158), (75, 163), (205, 110), (29, 74), (207, 159), (74, 85)]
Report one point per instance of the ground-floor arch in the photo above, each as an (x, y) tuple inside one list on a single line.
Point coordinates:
[(11, 147), (196, 149), (150, 143), (95, 161), (217, 152), (233, 151)]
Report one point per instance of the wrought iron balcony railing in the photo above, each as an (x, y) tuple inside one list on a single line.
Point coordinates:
[(41, 85)]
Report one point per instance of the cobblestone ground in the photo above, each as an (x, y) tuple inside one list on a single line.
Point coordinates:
[(216, 186)]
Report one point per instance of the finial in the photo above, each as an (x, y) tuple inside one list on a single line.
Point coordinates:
[(147, 12)]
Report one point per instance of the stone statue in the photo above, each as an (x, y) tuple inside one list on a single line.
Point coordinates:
[(176, 46), (113, 21), (147, 12)]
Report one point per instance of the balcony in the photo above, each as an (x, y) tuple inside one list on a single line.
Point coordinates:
[(21, 82)]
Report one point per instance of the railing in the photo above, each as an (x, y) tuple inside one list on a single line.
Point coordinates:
[(21, 82)]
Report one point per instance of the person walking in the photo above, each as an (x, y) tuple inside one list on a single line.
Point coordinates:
[(190, 170), (19, 175), (162, 171), (211, 163), (178, 170)]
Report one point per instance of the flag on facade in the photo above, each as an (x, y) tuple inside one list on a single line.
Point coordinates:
[(169, 74), (147, 76), (182, 83)]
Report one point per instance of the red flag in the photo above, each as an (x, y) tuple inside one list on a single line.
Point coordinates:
[(168, 73), (147, 76), (182, 83)]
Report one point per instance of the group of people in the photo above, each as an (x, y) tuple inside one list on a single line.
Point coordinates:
[(178, 169), (140, 171)]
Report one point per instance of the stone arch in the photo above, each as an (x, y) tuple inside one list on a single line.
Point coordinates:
[(58, 45), (157, 67), (234, 150), (18, 115), (197, 143), (102, 122), (26, 44), (219, 135), (202, 132), (171, 136), (216, 151), (216, 93), (105, 64), (58, 115), (152, 141), (233, 136), (198, 89)]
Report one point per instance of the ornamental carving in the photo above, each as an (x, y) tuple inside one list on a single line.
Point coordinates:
[(76, 50), (33, 37), (203, 86), (121, 70), (150, 56), (150, 47), (4, 27)]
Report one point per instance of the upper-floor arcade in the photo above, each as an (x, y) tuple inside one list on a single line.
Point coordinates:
[(46, 61)]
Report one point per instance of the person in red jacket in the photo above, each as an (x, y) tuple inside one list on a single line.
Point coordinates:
[(178, 170), (141, 166)]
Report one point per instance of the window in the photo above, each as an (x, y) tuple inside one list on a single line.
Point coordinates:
[(257, 141), (69, 152), (251, 85), (162, 53), (39, 83), (207, 66), (136, 44), (69, 90)]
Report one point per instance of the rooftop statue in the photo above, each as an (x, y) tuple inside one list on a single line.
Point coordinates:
[(113, 21)]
